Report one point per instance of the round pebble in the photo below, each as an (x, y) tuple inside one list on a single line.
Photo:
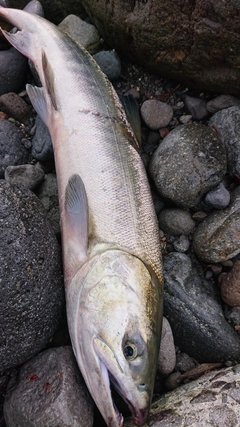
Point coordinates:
[(181, 244), (218, 197), (156, 114)]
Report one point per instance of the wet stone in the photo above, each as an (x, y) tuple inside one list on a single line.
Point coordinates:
[(181, 244), (48, 391), (47, 193), (212, 338), (189, 162), (216, 238), (31, 291), (12, 150)]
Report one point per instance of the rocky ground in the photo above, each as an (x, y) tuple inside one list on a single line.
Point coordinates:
[(190, 147)]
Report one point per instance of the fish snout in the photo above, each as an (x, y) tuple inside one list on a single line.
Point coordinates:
[(140, 416)]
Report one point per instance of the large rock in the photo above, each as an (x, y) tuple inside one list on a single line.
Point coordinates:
[(196, 42), (210, 401), (189, 162), (31, 291), (193, 308)]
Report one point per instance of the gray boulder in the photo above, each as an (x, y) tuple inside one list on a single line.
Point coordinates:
[(190, 161), (195, 43), (193, 308), (31, 291), (48, 391)]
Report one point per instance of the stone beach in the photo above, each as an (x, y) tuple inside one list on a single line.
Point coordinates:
[(191, 150)]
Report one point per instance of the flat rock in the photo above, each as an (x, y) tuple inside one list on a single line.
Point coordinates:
[(227, 123), (48, 391), (31, 291), (13, 151), (195, 43), (216, 238), (211, 400), (189, 162), (193, 308)]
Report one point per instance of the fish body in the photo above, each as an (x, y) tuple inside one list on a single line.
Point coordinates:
[(111, 248)]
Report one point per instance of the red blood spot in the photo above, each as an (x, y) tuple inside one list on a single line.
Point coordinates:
[(46, 386), (34, 378)]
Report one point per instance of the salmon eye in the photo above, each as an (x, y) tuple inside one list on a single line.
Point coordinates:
[(130, 351)]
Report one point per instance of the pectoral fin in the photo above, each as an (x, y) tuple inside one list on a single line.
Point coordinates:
[(37, 98), (76, 218)]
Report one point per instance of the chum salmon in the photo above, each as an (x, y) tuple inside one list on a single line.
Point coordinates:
[(110, 236)]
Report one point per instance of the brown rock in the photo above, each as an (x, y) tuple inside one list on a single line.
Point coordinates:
[(230, 288), (196, 43), (14, 106)]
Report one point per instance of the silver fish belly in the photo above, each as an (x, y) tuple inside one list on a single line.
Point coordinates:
[(111, 248)]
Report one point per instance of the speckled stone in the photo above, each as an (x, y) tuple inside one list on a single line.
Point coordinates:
[(216, 238), (27, 175), (211, 400), (167, 353), (14, 106), (189, 162)]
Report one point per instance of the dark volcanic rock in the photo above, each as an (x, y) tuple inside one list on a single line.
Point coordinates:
[(31, 291), (196, 43), (193, 308)]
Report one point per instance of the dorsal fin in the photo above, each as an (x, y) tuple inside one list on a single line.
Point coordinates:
[(49, 80)]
